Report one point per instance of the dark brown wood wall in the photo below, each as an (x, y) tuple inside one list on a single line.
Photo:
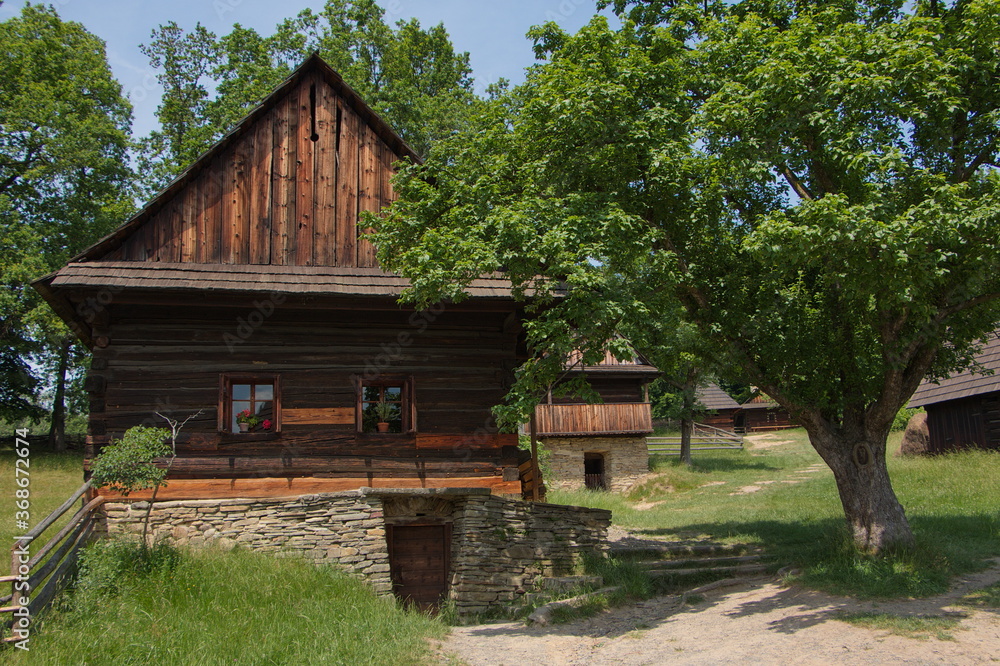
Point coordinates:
[(611, 390), (962, 424), (288, 191), (170, 360)]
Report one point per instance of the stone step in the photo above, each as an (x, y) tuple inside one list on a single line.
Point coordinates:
[(674, 550), (567, 583), (702, 562), (696, 571)]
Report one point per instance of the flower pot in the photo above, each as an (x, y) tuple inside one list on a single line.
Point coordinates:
[(382, 426), (243, 426)]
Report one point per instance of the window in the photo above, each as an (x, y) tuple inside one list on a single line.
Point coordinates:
[(254, 400), (386, 405)]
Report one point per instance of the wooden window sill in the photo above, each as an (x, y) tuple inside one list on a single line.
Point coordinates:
[(232, 437)]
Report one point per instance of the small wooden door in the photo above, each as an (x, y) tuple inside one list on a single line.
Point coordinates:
[(593, 471), (419, 562)]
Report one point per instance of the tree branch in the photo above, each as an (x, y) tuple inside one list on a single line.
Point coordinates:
[(795, 183), (983, 158)]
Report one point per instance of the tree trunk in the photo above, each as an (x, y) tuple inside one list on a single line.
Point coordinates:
[(57, 430), (874, 515), (687, 413), (687, 425)]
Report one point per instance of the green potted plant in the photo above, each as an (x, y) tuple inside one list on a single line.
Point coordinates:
[(247, 420), (384, 411)]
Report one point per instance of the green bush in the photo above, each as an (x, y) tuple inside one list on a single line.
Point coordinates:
[(109, 565), (126, 465), (903, 417)]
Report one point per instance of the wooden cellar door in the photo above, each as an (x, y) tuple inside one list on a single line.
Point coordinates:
[(593, 471), (419, 562)]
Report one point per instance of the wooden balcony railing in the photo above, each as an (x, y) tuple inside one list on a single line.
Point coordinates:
[(606, 419)]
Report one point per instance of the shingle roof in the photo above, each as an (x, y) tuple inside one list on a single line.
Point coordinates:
[(317, 280), (964, 384), (611, 365), (712, 396)]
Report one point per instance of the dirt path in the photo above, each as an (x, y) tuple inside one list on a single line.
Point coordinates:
[(758, 622)]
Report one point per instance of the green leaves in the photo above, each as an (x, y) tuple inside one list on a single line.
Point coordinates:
[(126, 465), (811, 184), (64, 178)]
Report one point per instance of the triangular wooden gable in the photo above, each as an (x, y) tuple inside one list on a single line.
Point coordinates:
[(285, 187)]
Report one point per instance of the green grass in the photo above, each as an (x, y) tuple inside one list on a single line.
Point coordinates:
[(908, 626), (54, 477), (950, 500), (208, 607), (988, 597)]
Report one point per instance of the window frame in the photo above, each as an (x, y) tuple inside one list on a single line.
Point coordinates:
[(408, 403), (225, 409)]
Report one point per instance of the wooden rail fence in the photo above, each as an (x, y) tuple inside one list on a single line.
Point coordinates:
[(703, 438), (47, 570)]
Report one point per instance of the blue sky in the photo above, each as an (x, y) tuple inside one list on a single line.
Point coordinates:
[(492, 32)]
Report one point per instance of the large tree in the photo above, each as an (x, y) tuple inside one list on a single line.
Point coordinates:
[(64, 182), (814, 182)]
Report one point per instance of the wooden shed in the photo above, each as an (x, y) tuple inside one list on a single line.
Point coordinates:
[(247, 287), (963, 411), (719, 406), (759, 414), (603, 445)]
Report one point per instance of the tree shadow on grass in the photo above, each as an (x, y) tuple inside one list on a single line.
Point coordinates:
[(708, 464), (947, 545)]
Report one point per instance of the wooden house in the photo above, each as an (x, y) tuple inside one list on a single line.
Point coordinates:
[(963, 411), (719, 406), (247, 286), (603, 445), (760, 413), (331, 421)]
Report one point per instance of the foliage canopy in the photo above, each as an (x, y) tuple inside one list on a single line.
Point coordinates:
[(814, 183)]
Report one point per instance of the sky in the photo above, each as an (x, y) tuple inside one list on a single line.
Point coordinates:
[(492, 32)]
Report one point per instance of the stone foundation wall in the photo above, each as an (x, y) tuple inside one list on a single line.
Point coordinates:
[(500, 547), (626, 460), (344, 528)]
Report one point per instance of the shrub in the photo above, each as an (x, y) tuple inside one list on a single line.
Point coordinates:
[(126, 465), (903, 417)]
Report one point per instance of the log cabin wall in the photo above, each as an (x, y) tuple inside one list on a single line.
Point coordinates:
[(170, 359), (965, 423), (286, 190)]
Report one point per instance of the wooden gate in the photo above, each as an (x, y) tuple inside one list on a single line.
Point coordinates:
[(419, 562)]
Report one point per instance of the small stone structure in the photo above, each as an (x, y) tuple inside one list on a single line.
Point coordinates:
[(500, 548), (625, 460)]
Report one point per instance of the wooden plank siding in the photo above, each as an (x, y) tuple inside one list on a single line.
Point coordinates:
[(170, 361), (965, 423), (614, 418), (287, 191)]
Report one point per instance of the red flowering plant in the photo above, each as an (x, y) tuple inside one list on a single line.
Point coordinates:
[(252, 420)]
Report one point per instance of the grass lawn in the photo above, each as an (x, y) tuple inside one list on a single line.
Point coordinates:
[(780, 495), (212, 607), (209, 607), (54, 477)]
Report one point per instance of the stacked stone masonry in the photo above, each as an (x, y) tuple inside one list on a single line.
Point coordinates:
[(626, 460), (500, 548)]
